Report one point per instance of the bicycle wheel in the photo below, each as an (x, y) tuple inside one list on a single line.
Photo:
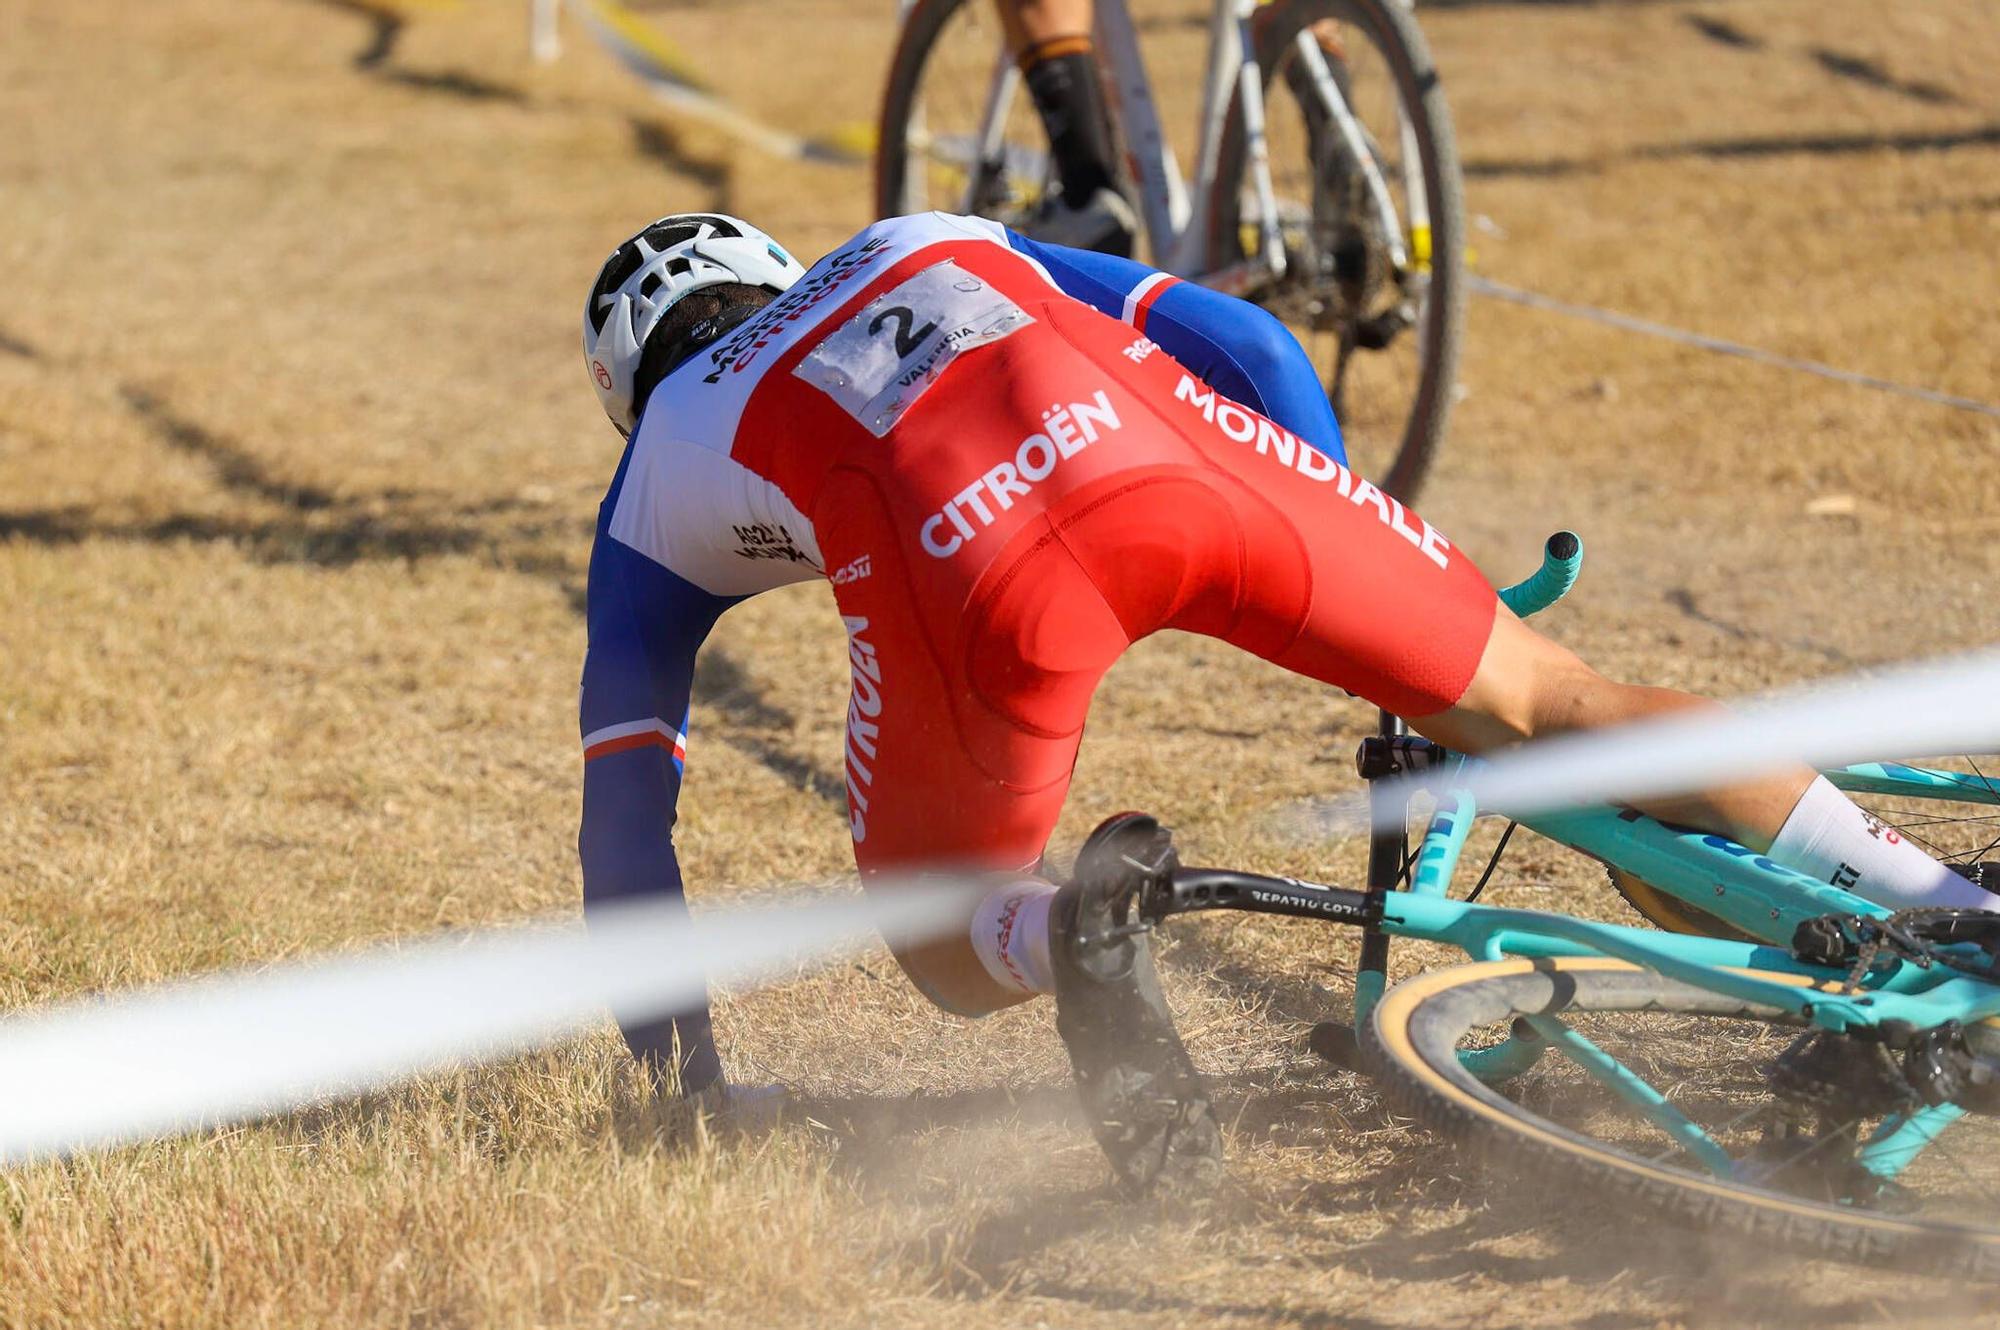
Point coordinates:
[(931, 150), (1798, 1178), (1379, 302)]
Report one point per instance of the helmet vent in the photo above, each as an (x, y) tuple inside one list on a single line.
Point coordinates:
[(663, 236), (678, 284)]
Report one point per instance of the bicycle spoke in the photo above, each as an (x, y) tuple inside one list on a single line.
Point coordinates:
[(971, 140), (1721, 1115), (1956, 832), (1349, 179), (1823, 1145)]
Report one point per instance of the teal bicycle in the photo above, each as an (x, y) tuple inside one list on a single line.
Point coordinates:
[(1818, 1070)]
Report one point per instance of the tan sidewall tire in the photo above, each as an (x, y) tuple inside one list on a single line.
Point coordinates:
[(1411, 1040)]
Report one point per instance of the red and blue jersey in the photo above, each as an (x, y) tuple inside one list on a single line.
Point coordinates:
[(718, 492)]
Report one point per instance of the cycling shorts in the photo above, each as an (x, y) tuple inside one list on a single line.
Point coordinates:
[(1055, 497)]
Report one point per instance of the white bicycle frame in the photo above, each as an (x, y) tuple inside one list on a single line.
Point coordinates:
[(1177, 218)]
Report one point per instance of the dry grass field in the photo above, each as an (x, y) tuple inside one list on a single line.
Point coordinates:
[(297, 473)]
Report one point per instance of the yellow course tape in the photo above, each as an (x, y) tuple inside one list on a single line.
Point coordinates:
[(641, 48), (665, 58)]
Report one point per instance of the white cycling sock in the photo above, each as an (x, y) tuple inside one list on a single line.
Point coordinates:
[(1828, 836), (1010, 931)]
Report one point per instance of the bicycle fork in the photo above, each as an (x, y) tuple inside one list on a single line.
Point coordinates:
[(1248, 278)]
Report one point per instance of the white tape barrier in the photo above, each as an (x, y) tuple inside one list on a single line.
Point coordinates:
[(1484, 286), (240, 1046), (1950, 705)]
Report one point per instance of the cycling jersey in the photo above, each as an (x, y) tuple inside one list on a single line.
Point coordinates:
[(1120, 452)]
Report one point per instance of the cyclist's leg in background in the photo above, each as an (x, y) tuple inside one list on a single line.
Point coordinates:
[(938, 778), (1051, 42)]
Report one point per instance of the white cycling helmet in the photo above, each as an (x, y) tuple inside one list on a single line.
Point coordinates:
[(643, 279)]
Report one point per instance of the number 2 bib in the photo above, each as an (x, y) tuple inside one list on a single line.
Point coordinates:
[(878, 363)]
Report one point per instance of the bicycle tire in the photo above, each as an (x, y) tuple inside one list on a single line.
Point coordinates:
[(922, 27), (1403, 49), (1411, 1043)]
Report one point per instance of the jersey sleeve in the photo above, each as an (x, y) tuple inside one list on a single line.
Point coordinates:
[(645, 624), (1232, 345)]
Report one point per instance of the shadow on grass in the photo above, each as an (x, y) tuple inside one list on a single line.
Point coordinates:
[(315, 526), (14, 345), (1683, 599), (721, 682), (456, 83), (385, 32), (385, 29), (235, 467), (660, 143), (1860, 69), (1723, 32)]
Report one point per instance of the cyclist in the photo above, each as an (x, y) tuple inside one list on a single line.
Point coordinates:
[(1011, 460)]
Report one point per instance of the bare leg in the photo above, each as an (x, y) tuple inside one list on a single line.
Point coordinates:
[(1528, 687), (1027, 22)]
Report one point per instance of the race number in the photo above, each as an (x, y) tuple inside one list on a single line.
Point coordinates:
[(878, 363)]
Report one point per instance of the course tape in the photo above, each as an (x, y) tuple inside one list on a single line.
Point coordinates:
[(1948, 705), (661, 66), (226, 1049), (1721, 346)]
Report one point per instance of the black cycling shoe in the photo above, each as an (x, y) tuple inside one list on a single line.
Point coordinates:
[(1146, 1102)]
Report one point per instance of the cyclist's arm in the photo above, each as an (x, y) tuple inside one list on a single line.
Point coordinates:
[(646, 624), (1232, 345)]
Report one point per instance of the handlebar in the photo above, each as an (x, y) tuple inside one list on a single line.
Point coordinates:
[(1562, 560)]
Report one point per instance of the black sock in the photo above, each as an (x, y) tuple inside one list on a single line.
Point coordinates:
[(1062, 78)]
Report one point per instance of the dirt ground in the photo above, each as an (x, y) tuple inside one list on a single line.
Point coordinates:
[(297, 472)]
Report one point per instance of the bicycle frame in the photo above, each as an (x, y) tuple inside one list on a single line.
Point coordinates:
[(1760, 896), (1177, 217), (1751, 892), (1177, 226)]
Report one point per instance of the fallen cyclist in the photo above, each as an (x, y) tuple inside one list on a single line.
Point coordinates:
[(1011, 461)]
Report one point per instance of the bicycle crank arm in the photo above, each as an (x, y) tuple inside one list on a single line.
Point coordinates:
[(1188, 889)]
